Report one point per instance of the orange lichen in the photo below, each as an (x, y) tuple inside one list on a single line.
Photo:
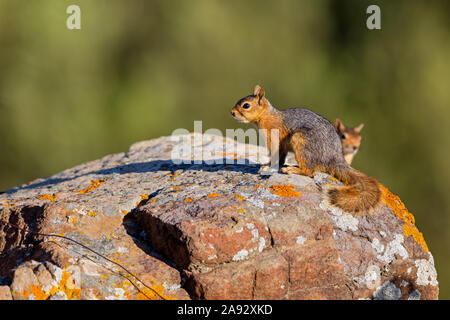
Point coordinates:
[(94, 184), (238, 196), (26, 293), (9, 205), (399, 209), (241, 210), (144, 198), (212, 195), (66, 285), (174, 175), (128, 295), (418, 236), (284, 190), (394, 202), (188, 199), (38, 293), (48, 197), (92, 213)]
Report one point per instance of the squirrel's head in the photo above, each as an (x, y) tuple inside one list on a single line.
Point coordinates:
[(350, 137), (252, 107)]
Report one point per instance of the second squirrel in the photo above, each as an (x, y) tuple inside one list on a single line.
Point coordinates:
[(350, 139), (316, 146)]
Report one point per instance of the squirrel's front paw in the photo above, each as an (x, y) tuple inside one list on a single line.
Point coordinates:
[(267, 170)]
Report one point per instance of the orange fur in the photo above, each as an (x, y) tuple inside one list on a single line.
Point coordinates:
[(297, 142), (359, 194)]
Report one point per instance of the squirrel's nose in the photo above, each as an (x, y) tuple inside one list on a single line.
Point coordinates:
[(232, 113)]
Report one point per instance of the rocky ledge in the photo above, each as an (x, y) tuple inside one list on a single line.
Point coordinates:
[(161, 229)]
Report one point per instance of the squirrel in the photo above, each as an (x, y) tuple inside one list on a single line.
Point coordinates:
[(350, 139), (317, 148)]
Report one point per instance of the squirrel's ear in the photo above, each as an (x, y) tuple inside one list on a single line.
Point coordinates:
[(339, 125), (359, 128), (259, 92)]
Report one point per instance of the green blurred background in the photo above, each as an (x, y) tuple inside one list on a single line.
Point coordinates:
[(140, 69)]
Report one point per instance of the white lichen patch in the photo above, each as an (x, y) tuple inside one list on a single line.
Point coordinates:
[(256, 202), (60, 295), (172, 287), (240, 230), (379, 248), (250, 226), (119, 294), (255, 234), (275, 204), (426, 273), (122, 250), (57, 273), (261, 244), (321, 178), (250, 198), (83, 212), (371, 278), (301, 240), (342, 220), (393, 248), (267, 194), (241, 255)]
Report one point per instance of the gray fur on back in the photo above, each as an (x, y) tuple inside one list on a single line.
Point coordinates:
[(323, 146)]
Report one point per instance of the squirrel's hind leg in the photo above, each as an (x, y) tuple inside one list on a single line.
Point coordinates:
[(297, 143), (302, 167)]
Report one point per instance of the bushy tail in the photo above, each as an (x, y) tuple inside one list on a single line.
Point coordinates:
[(359, 193)]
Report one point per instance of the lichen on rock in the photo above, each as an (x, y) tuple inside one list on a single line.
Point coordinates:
[(206, 230)]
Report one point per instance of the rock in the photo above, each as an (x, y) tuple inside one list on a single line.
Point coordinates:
[(211, 229), (23, 282), (5, 293)]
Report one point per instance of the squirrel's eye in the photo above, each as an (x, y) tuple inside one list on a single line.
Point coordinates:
[(246, 105), (343, 136)]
